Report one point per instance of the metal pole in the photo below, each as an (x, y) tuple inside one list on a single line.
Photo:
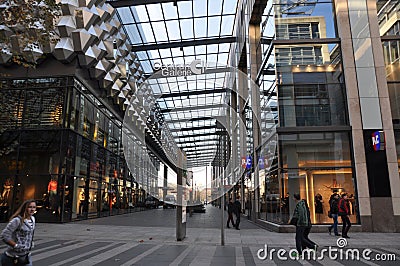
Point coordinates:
[(206, 186), (223, 191), (222, 214)]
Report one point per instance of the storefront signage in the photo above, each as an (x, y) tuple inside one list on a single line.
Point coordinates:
[(246, 162), (263, 163), (378, 140)]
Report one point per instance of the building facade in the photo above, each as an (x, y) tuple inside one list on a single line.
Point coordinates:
[(327, 75), (334, 86)]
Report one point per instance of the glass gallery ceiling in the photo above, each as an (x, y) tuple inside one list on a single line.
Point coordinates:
[(168, 32)]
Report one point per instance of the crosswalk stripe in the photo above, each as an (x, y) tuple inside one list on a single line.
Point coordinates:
[(181, 257), (388, 250), (329, 262), (257, 261), (239, 256), (204, 256), (367, 261), (47, 248), (60, 250), (108, 254), (83, 255), (304, 262), (141, 256)]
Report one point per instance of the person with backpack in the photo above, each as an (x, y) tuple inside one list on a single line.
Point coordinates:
[(18, 235), (344, 212), (334, 210)]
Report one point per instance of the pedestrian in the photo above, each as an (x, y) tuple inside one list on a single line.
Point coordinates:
[(18, 235), (237, 209), (334, 210), (230, 213), (301, 220), (344, 212), (307, 230)]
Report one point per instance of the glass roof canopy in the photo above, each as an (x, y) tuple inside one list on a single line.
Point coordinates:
[(176, 32)]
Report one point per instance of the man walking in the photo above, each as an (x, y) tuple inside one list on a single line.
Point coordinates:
[(301, 220), (237, 208), (334, 209), (230, 212)]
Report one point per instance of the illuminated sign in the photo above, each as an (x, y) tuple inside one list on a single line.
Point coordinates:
[(246, 162), (378, 141)]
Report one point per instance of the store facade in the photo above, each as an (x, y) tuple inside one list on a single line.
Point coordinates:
[(322, 73), (63, 148)]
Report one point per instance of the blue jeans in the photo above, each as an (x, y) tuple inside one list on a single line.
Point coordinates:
[(335, 223)]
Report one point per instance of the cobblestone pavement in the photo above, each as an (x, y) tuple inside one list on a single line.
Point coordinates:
[(148, 238)]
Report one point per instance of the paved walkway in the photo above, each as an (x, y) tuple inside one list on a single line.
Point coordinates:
[(148, 238)]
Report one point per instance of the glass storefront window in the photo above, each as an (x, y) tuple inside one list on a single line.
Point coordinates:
[(85, 160), (310, 85), (309, 20), (323, 149), (394, 96), (316, 165)]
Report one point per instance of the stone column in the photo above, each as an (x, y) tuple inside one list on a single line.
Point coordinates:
[(254, 37)]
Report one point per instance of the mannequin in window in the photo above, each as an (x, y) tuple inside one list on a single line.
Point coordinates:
[(52, 191), (6, 190), (319, 207), (81, 202)]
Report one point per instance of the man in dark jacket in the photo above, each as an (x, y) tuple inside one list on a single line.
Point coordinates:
[(344, 212), (302, 218), (237, 209), (230, 212), (307, 229), (334, 209)]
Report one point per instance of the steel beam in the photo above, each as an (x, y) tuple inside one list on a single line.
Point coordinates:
[(127, 3), (189, 93), (178, 44), (190, 108), (192, 128)]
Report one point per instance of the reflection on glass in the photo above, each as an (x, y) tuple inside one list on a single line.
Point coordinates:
[(304, 19)]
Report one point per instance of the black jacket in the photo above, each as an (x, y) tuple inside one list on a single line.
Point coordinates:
[(231, 207), (334, 207), (237, 207)]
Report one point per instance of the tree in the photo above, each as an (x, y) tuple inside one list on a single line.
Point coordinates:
[(27, 29)]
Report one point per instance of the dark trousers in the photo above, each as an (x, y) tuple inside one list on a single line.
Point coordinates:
[(301, 240), (230, 219), (346, 224), (237, 220), (306, 233), (7, 261)]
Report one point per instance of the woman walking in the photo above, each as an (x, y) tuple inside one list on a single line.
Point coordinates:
[(18, 235)]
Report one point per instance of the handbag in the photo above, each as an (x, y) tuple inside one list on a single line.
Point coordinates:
[(329, 214), (23, 260)]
